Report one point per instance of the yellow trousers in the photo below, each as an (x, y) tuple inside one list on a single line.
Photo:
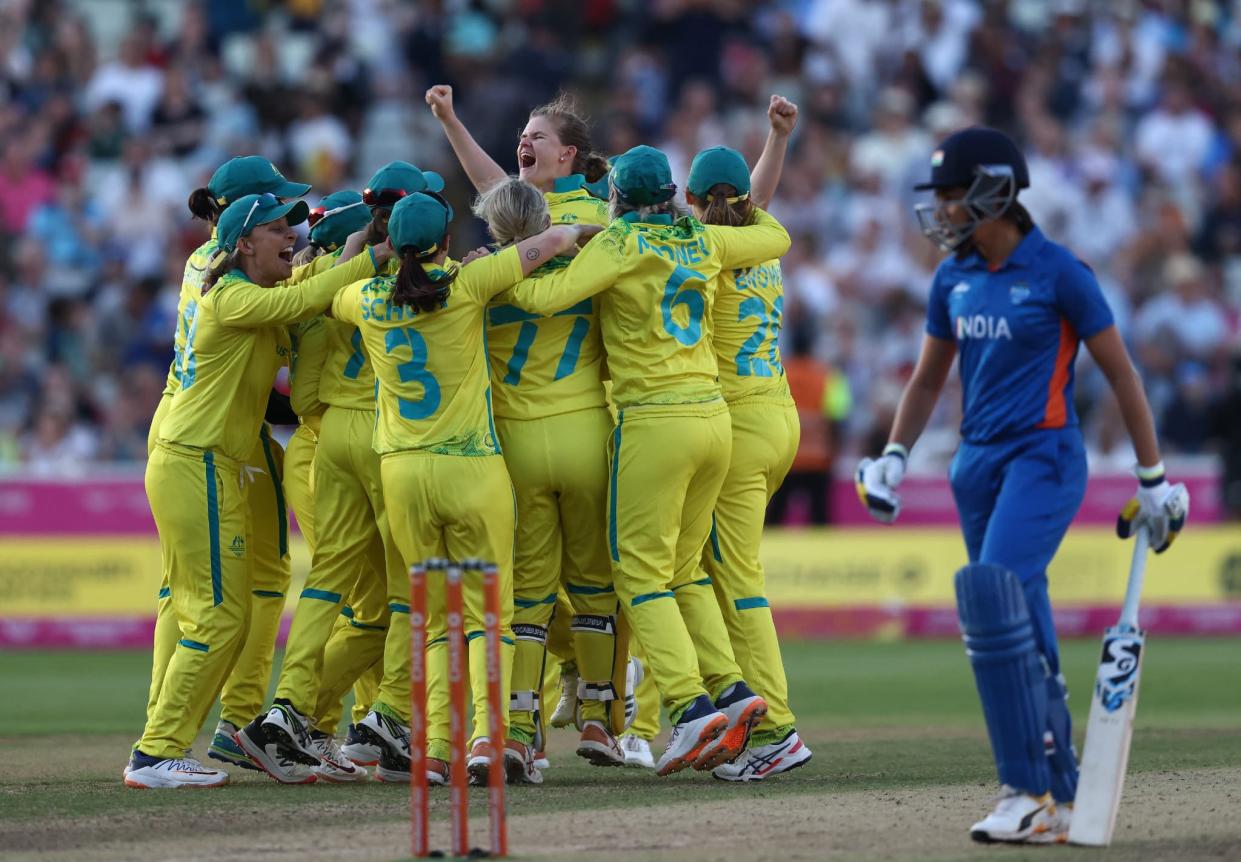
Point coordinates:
[(352, 542), (267, 552), (765, 437), (559, 469), (668, 465), (458, 508), (199, 504)]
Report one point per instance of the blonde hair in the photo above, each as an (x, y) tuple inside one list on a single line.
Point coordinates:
[(514, 210), (306, 255)]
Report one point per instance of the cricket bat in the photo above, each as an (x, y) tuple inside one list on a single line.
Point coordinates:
[(1113, 704)]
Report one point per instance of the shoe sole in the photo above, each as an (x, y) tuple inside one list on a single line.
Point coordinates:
[(339, 776), (259, 757), (753, 777), (735, 739), (137, 785), (706, 736), (358, 760), (598, 754), (225, 756)]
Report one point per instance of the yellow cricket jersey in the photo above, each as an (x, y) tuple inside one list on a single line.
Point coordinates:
[(749, 305), (348, 379), (434, 389), (237, 340), (656, 316), (545, 366), (309, 339), (191, 292)]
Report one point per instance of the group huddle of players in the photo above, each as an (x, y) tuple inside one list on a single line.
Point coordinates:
[(595, 404)]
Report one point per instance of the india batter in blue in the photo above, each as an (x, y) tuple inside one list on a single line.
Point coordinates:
[(1014, 308)]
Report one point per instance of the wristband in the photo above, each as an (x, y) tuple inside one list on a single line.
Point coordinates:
[(896, 449), (1149, 477)]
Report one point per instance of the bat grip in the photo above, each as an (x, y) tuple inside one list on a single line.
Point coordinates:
[(1137, 572)]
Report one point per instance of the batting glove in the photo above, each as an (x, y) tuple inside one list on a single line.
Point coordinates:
[(877, 480), (1160, 507)]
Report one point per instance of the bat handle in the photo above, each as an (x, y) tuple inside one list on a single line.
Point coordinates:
[(1137, 571)]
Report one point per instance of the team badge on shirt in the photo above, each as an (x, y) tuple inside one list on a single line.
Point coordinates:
[(961, 287), (1018, 293)]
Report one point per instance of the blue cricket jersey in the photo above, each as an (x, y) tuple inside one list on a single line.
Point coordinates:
[(1017, 332)]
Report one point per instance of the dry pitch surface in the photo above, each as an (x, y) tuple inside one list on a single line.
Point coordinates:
[(886, 783)]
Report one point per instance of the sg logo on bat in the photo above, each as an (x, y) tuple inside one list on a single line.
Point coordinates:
[(1117, 680)]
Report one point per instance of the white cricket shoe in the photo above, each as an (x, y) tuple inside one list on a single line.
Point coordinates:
[(637, 751), (634, 675), (479, 763), (265, 749), (566, 708), (766, 761), (386, 734), (540, 761), (1058, 832), (151, 773), (334, 766), (690, 738), (358, 750), (745, 711), (1017, 817), (291, 732)]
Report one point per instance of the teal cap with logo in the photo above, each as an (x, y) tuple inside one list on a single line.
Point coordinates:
[(642, 176), (717, 165), (337, 215), (246, 213), (397, 179), (419, 222), (251, 175)]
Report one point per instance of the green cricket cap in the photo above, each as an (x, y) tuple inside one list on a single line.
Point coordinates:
[(642, 176), (419, 222), (337, 215), (246, 213), (717, 165), (251, 175), (400, 177)]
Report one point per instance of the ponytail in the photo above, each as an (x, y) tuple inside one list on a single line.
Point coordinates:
[(716, 209), (592, 165), (221, 262), (203, 205), (416, 287)]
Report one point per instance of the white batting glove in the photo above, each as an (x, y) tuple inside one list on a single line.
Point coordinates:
[(1159, 506), (877, 481)]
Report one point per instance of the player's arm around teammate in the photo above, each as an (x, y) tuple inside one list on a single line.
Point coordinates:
[(670, 446), (445, 486), (749, 304), (1013, 308), (194, 476), (355, 554)]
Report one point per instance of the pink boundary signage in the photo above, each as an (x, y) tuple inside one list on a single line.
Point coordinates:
[(798, 623)]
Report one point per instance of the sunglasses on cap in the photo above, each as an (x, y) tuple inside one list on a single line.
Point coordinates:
[(382, 197), (319, 213), (267, 198)]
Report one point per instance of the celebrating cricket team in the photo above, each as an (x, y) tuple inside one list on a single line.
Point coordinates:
[(595, 404)]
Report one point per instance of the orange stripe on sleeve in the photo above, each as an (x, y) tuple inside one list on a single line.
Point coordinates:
[(1057, 412)]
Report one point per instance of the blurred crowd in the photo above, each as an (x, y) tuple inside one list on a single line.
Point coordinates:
[(1129, 112)]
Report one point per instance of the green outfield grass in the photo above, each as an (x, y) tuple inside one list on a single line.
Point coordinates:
[(881, 717)]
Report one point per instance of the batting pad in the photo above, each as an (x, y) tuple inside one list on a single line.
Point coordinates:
[(1009, 672)]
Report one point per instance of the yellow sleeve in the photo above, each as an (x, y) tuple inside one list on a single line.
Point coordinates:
[(596, 267), (362, 263), (738, 247), (347, 302), (482, 279), (309, 355), (248, 306)]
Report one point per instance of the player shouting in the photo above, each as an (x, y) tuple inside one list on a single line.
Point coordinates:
[(553, 422), (1014, 308), (195, 476)]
